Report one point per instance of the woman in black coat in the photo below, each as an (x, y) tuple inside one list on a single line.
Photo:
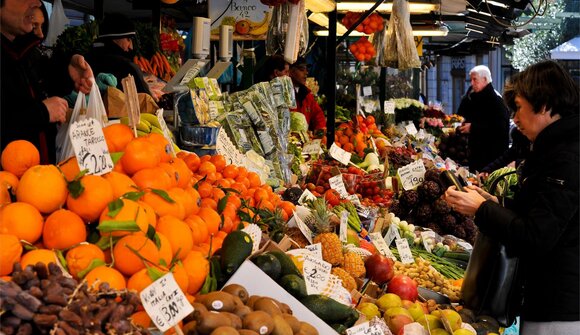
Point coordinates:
[(542, 225)]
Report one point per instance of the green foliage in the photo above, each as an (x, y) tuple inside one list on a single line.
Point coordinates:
[(77, 39), (147, 39), (536, 46)]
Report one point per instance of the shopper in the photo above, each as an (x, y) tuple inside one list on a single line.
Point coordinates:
[(274, 66), (113, 52), (486, 120), (28, 112), (541, 226), (305, 100)]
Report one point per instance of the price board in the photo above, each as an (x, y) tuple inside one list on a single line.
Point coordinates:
[(389, 107), (226, 148), (312, 147), (404, 251), (315, 249), (392, 234), (337, 184), (303, 228), (339, 154), (90, 146), (412, 175), (316, 274)]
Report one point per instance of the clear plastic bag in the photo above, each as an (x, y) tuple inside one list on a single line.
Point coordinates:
[(400, 50)]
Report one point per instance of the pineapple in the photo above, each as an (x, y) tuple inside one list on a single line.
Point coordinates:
[(319, 219), (354, 264), (347, 280)]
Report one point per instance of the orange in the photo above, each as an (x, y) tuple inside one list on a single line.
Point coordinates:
[(192, 161), (204, 158), (197, 267), (234, 200), (18, 156), (187, 199), (261, 195), (38, 256), (21, 219), (242, 171), (127, 261), (164, 207), (211, 218), (165, 250), (10, 253), (4, 193), (154, 177), (219, 162), (230, 171), (198, 229), (130, 211), (209, 203), (63, 229), (181, 276), (195, 198), (105, 274), (80, 258), (217, 194), (151, 216), (287, 207), (95, 197), (139, 281), (206, 168), (120, 183), (44, 187), (204, 188), (140, 154), (69, 168), (183, 172), (178, 234), (162, 144), (254, 179), (9, 178), (171, 172), (142, 319), (118, 136)]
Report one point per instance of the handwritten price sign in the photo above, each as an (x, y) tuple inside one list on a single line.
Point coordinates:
[(316, 274), (412, 175), (90, 146)]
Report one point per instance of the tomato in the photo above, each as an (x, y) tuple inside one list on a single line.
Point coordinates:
[(332, 197)]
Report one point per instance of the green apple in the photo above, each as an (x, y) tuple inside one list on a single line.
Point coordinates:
[(369, 309), (462, 332), (452, 317), (389, 300), (439, 331), (430, 322), (417, 311)]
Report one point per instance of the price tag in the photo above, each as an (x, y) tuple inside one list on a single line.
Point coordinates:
[(364, 211), (410, 128), (90, 146), (428, 237), (404, 251), (365, 329), (339, 154), (392, 234), (343, 226), (336, 291), (306, 195), (315, 249), (165, 303), (412, 175), (389, 107), (165, 130), (354, 199), (226, 148), (316, 274), (255, 233), (303, 228), (336, 183), (311, 148), (379, 242), (367, 90)]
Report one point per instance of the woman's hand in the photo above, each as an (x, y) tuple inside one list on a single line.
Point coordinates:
[(467, 202), (81, 73)]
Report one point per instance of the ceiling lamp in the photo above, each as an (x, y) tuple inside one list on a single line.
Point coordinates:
[(324, 33), (320, 6), (322, 20), (430, 30), (414, 7)]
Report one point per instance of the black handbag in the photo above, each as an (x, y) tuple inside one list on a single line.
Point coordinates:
[(492, 284)]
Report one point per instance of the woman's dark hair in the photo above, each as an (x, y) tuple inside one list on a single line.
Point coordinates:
[(44, 26), (544, 84), (274, 62)]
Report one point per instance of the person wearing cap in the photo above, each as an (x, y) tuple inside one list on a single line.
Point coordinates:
[(305, 100), (31, 103), (112, 52)]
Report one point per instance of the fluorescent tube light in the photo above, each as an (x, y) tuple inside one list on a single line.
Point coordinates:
[(414, 7), (417, 31), (320, 6), (322, 20)]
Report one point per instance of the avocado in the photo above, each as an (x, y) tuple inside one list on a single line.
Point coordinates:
[(288, 266), (329, 310), (294, 285), (236, 247), (269, 264)]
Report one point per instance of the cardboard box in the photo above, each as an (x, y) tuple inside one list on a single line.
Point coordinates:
[(257, 282)]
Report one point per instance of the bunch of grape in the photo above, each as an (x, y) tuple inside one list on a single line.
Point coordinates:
[(370, 25)]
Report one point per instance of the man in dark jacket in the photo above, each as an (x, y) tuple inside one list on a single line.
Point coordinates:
[(28, 112), (486, 120), (113, 51)]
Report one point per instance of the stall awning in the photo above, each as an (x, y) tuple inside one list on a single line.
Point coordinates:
[(568, 50)]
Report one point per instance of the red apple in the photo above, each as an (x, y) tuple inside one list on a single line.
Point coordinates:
[(404, 287), (379, 268)]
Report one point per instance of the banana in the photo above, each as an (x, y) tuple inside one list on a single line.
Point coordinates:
[(265, 21), (141, 133), (156, 130), (144, 126), (151, 118), (175, 147), (124, 120)]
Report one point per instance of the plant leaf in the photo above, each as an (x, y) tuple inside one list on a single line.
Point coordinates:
[(115, 207), (163, 195), (222, 204), (75, 188), (94, 263), (133, 195), (154, 273), (110, 226)]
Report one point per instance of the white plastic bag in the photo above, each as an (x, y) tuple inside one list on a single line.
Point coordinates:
[(57, 23), (96, 107)]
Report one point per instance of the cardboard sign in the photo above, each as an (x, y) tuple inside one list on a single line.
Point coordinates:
[(389, 107), (311, 148), (343, 225), (164, 302), (306, 195), (316, 274), (165, 130), (339, 154), (392, 234), (367, 90), (226, 148), (90, 146), (303, 228), (365, 329), (410, 128), (412, 175), (404, 251), (315, 250), (337, 184), (354, 199), (379, 242)]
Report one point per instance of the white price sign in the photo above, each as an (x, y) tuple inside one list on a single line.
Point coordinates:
[(315, 249), (365, 329), (392, 234), (404, 251), (337, 184), (306, 195), (428, 237), (343, 225), (410, 128), (465, 245), (90, 146), (389, 107), (412, 175), (303, 228), (379, 242), (311, 148), (354, 199), (339, 154), (226, 148), (316, 274), (367, 90), (164, 302), (166, 131)]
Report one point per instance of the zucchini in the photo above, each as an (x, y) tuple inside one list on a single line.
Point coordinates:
[(462, 256)]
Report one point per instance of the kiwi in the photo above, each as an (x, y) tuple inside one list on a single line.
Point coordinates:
[(189, 327), (236, 320), (247, 332), (281, 327), (208, 321), (238, 301), (224, 330), (218, 301), (293, 322), (307, 329), (284, 308), (241, 311), (267, 305), (237, 290), (199, 307), (259, 321), (251, 300)]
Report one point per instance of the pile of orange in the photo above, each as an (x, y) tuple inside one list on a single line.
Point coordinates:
[(356, 138), (181, 197)]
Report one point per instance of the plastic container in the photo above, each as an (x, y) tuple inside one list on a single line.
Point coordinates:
[(192, 135)]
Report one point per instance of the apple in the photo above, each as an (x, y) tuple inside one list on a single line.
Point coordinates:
[(397, 318), (403, 286), (369, 310), (430, 322), (379, 268), (452, 317), (242, 27), (389, 300), (417, 310)]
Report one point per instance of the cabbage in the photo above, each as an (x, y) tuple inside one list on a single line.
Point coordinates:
[(298, 122), (503, 187)]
